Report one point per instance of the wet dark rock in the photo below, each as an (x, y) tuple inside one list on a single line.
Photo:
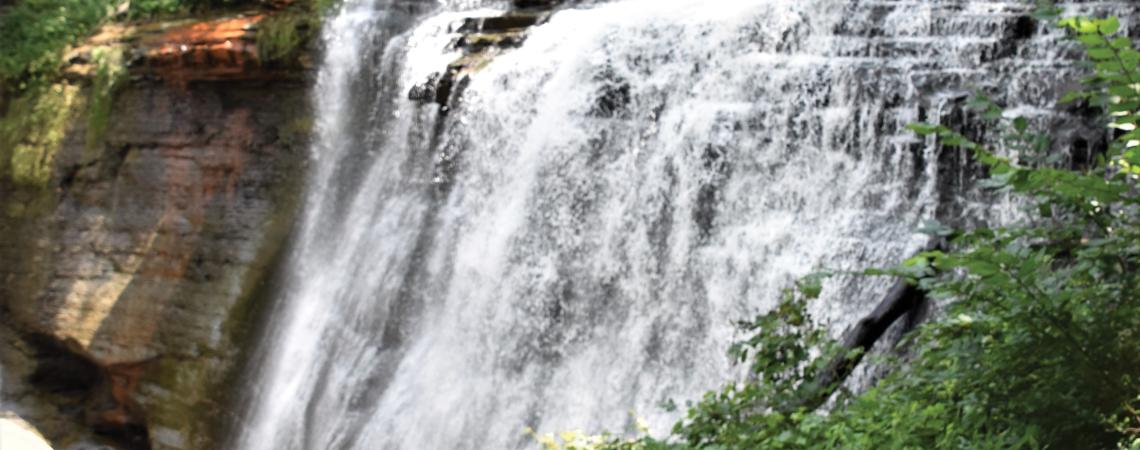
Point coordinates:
[(98, 396), (1024, 27), (511, 21), (480, 39), (425, 91), (60, 370), (613, 97), (524, 4)]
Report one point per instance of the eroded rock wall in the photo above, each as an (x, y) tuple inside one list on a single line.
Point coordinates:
[(131, 256)]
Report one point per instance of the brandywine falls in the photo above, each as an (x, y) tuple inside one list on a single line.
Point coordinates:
[(462, 224)]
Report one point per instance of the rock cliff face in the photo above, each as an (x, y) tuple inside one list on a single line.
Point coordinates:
[(139, 217)]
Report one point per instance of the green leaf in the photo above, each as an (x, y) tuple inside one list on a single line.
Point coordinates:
[(1109, 26), (1085, 26), (1110, 67), (933, 227), (812, 285), (1101, 53), (982, 268), (1121, 42), (1072, 96), (925, 129), (1020, 124), (1092, 40)]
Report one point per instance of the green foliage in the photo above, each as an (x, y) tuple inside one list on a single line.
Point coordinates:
[(33, 34), (153, 8), (1052, 302), (578, 440), (1037, 344), (282, 36), (779, 353)]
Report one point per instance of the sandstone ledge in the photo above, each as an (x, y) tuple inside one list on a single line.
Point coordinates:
[(179, 52)]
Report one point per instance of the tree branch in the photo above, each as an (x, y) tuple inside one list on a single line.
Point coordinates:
[(900, 300)]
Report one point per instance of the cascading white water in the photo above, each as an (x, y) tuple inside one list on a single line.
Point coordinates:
[(619, 189)]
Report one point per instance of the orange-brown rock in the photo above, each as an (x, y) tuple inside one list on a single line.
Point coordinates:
[(185, 51), (213, 50), (112, 408)]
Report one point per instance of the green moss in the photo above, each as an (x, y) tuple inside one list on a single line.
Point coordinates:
[(296, 131), (32, 132), (283, 36), (108, 77), (186, 381), (36, 124), (157, 8)]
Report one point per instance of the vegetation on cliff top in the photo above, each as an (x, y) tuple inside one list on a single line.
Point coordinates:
[(37, 104), (282, 36), (1036, 345), (35, 33)]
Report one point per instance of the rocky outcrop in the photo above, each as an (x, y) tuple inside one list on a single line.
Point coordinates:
[(480, 39), (185, 51), (142, 210)]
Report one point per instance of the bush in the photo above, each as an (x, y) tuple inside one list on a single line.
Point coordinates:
[(34, 32)]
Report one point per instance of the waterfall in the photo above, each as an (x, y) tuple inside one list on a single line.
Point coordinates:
[(572, 239)]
